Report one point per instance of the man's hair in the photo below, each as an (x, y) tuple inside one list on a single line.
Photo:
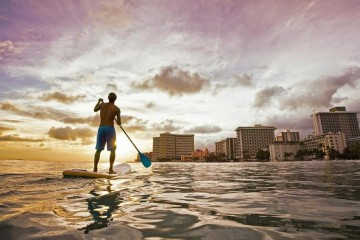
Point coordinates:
[(112, 97)]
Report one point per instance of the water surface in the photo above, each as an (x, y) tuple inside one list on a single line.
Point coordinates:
[(290, 200)]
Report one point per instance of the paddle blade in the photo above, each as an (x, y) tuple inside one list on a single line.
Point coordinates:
[(145, 160)]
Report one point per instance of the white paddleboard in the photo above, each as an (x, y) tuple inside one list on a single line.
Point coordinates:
[(121, 169)]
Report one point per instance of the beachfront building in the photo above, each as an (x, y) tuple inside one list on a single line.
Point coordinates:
[(335, 121), (226, 147), (283, 150), (172, 146), (324, 142), (288, 136), (230, 148), (220, 147), (251, 139)]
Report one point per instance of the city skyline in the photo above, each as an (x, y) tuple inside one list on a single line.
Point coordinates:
[(203, 68)]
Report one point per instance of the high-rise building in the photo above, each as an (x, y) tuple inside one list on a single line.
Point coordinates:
[(220, 147), (251, 139), (335, 121), (288, 136), (230, 148), (173, 146), (227, 147)]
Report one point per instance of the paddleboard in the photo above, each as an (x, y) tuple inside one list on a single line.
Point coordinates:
[(121, 169)]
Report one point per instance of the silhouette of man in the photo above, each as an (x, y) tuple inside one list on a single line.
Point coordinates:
[(106, 132)]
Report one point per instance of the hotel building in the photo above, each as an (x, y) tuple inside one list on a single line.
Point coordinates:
[(325, 142), (288, 136), (285, 147), (220, 147), (280, 151), (335, 121), (228, 147), (251, 139), (173, 146)]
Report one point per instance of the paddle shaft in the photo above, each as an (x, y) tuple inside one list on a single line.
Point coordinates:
[(129, 138)]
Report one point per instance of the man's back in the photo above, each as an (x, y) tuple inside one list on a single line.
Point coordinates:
[(108, 111)]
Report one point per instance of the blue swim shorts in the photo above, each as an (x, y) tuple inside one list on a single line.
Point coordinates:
[(106, 134)]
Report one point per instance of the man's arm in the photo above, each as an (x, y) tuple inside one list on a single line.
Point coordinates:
[(97, 106), (118, 118)]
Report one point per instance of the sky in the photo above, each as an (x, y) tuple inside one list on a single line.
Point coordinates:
[(200, 67)]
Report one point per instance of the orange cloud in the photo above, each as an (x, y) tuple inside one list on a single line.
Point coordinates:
[(5, 129), (175, 81), (16, 138), (9, 107), (60, 97), (72, 134)]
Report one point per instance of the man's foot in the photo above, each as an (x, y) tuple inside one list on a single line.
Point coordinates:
[(112, 172)]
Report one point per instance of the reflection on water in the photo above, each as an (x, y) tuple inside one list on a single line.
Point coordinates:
[(101, 209), (292, 200)]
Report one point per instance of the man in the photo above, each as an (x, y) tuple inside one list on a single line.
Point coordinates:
[(106, 132)]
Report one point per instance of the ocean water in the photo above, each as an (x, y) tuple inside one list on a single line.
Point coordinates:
[(289, 200)]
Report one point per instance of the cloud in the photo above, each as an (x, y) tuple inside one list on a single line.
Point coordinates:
[(166, 126), (243, 80), (205, 129), (150, 105), (264, 97), (133, 124), (35, 111), (142, 86), (60, 97), (321, 92), (72, 134), (8, 51), (50, 113), (9, 107), (294, 122), (10, 120), (112, 87), (91, 120), (16, 138), (5, 129), (174, 81)]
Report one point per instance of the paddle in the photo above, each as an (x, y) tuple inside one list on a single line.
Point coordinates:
[(144, 159)]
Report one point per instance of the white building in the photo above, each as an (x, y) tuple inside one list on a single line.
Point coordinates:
[(336, 120), (282, 151), (251, 139), (288, 136), (227, 147), (336, 141), (220, 147)]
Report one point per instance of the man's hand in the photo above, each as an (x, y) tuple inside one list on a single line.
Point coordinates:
[(97, 106), (118, 121)]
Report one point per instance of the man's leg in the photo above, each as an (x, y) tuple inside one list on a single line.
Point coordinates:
[(112, 160), (96, 159)]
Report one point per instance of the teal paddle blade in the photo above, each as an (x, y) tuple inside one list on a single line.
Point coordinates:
[(145, 160)]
